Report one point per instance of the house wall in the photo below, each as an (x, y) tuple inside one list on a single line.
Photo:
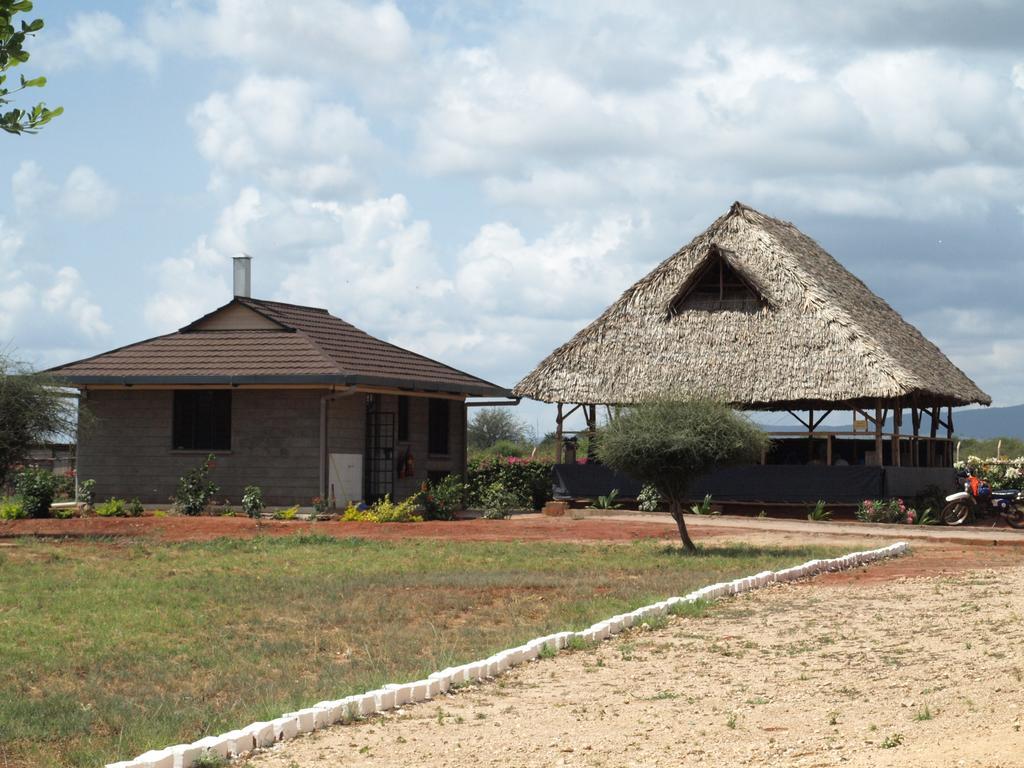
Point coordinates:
[(275, 443)]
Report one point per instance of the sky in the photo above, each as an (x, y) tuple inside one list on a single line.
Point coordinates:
[(477, 181)]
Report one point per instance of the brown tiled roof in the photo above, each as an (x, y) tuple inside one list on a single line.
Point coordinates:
[(312, 346)]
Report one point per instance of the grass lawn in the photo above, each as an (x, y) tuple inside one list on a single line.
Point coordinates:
[(108, 649)]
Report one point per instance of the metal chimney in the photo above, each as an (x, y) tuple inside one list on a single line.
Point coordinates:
[(243, 275)]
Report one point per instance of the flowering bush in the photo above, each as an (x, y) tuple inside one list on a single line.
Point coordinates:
[(383, 511), (649, 499), (885, 511), (1000, 474), (442, 499)]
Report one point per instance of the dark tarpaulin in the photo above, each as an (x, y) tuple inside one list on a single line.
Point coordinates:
[(797, 484)]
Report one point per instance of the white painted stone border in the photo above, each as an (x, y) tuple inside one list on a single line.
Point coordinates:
[(292, 724)]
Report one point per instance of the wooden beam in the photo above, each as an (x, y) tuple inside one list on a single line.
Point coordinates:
[(878, 434), (897, 417), (816, 424), (559, 418)]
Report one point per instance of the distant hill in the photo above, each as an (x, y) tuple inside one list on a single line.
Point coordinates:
[(984, 423), (980, 423)]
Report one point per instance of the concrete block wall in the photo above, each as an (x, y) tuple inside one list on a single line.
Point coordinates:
[(275, 443), (326, 713)]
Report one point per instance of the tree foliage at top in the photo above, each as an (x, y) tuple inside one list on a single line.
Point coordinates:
[(13, 34), (32, 410), (669, 443), (490, 426)]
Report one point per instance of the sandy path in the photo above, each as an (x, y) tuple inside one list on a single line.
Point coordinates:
[(817, 674)]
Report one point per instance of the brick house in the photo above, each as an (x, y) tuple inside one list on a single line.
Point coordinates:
[(289, 398)]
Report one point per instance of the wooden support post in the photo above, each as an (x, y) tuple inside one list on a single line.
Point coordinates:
[(949, 422), (828, 449), (897, 417), (558, 435), (591, 431), (878, 434)]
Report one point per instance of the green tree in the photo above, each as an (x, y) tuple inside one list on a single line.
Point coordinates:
[(33, 408), (668, 443), (493, 425), (12, 53)]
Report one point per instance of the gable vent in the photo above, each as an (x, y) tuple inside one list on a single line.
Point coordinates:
[(717, 287)]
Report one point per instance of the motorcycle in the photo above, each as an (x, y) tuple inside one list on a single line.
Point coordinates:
[(977, 497)]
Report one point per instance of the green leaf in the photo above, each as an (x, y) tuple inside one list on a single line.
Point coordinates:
[(35, 82)]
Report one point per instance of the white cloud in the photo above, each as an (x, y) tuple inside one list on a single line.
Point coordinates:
[(66, 296), (921, 100), (87, 195), (83, 194), (97, 37), (188, 286), (277, 129), (31, 288), (503, 273), (30, 187), (344, 38)]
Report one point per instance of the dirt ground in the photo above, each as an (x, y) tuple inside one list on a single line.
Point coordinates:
[(865, 669), (176, 528)]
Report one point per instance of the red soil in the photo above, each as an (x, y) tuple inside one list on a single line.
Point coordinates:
[(206, 528)]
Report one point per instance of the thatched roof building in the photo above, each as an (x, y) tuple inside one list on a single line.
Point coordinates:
[(753, 312)]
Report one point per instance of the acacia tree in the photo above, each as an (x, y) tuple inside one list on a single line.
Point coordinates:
[(668, 443), (12, 53), (32, 408), (493, 425)]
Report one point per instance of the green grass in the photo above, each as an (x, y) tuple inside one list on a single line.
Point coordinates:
[(108, 649)]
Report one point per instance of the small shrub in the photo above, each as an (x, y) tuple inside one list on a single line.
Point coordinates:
[(441, 500), (35, 487), (384, 511), (64, 486), (210, 759), (287, 514), (704, 508), (113, 508), (134, 508), (609, 501), (12, 509), (65, 513), (819, 512), (893, 740), (195, 489), (320, 505), (649, 499), (252, 500), (499, 502), (86, 491), (925, 517)]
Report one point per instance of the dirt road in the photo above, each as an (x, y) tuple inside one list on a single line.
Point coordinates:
[(921, 671)]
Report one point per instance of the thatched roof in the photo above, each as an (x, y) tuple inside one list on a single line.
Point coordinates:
[(795, 330)]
